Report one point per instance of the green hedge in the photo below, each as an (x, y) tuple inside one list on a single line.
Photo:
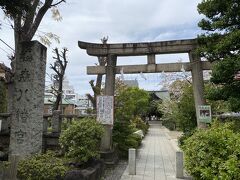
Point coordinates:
[(213, 153), (140, 124), (124, 138), (41, 167), (81, 140), (171, 125)]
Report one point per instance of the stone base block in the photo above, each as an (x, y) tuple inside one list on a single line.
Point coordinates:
[(93, 172), (110, 157)]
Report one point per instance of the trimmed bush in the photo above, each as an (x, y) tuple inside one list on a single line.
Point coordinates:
[(133, 141), (213, 153), (41, 167), (170, 124), (234, 120), (81, 140), (184, 137), (130, 103), (140, 124), (123, 136)]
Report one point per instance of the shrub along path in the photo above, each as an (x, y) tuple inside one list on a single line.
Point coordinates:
[(156, 156)]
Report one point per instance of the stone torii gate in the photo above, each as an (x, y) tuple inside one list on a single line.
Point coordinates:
[(150, 49)]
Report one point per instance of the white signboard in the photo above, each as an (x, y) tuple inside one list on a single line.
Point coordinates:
[(105, 106), (205, 114)]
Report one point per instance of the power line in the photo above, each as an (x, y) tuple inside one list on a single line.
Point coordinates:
[(10, 26), (7, 44), (4, 51), (6, 26)]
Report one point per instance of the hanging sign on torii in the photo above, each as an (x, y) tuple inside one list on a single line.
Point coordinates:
[(105, 105)]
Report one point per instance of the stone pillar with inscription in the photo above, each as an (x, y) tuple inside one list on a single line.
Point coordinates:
[(28, 100)]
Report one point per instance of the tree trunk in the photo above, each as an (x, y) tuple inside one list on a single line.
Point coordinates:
[(59, 95)]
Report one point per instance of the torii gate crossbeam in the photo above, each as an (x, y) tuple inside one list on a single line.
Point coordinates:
[(148, 68), (138, 49)]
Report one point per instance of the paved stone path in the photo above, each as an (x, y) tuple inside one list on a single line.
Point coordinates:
[(115, 172), (156, 156)]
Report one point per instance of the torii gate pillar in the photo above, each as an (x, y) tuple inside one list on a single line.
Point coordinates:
[(106, 141), (198, 84)]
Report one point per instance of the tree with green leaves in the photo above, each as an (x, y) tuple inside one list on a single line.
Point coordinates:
[(27, 15), (220, 44), (153, 108), (180, 110), (131, 102), (26, 21)]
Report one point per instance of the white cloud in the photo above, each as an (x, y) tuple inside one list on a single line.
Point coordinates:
[(121, 20)]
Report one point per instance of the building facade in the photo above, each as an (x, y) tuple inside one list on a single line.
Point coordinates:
[(72, 102)]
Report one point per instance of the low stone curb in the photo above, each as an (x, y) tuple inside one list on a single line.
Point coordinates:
[(91, 173)]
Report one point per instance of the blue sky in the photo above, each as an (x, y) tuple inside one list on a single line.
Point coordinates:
[(121, 21)]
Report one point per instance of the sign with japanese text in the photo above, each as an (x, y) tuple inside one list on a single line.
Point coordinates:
[(105, 107), (205, 114)]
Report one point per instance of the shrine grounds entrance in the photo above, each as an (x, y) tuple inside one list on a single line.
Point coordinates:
[(149, 49)]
